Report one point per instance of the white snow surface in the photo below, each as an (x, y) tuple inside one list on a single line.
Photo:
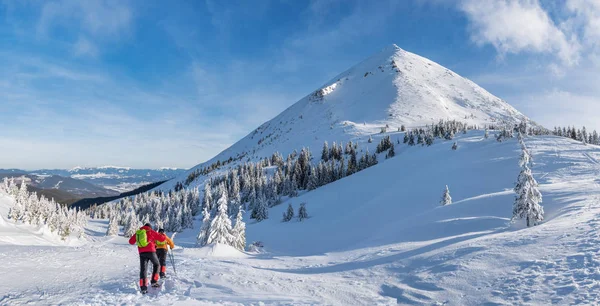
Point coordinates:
[(393, 87), (378, 237)]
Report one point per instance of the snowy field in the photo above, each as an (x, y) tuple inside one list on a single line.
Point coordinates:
[(378, 237)]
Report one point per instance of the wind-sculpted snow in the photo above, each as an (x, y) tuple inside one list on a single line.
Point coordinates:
[(378, 237)]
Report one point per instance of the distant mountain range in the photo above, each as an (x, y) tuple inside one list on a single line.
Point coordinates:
[(69, 186), (119, 179), (62, 189)]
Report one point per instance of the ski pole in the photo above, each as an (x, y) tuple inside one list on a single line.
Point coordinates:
[(172, 261), (171, 257)]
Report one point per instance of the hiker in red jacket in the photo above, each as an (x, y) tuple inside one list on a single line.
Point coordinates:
[(145, 238)]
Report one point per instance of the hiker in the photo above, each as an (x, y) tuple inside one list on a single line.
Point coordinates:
[(145, 238), (161, 251)]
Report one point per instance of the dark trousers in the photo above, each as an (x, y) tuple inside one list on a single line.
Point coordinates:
[(162, 259), (144, 259)]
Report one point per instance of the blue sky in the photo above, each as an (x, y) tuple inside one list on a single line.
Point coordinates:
[(154, 83)]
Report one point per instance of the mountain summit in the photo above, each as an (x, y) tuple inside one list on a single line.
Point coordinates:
[(387, 90)]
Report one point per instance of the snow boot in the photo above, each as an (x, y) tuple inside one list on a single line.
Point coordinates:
[(154, 282), (143, 286)]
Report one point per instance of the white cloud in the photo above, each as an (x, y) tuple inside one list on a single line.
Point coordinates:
[(96, 17), (84, 47), (556, 107), (587, 18), (514, 26), (94, 22)]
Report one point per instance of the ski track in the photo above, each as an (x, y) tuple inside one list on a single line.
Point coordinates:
[(556, 262)]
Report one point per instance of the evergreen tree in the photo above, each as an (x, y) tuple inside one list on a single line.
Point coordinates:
[(289, 214), (373, 160), (528, 199), (261, 210), (313, 180), (352, 163), (525, 158), (204, 229), (132, 225), (342, 168), (239, 232), (235, 196), (446, 199), (391, 152), (298, 174), (113, 226), (278, 181), (220, 226), (207, 200), (325, 152), (302, 213)]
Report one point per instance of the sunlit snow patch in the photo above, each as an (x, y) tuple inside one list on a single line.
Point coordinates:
[(321, 93)]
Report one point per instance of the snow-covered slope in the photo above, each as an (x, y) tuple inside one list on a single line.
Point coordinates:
[(378, 237), (393, 87)]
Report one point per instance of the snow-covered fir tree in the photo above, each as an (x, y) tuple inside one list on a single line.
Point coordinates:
[(302, 213), (204, 229), (261, 210), (528, 197), (207, 200), (132, 225), (289, 214), (239, 232), (446, 199), (220, 226), (325, 152), (313, 179), (113, 226), (391, 152)]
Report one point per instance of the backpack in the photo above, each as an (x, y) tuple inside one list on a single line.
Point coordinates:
[(141, 238)]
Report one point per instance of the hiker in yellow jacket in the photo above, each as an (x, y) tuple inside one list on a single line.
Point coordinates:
[(161, 251)]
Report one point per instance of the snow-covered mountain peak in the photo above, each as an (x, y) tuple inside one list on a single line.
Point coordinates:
[(389, 89)]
